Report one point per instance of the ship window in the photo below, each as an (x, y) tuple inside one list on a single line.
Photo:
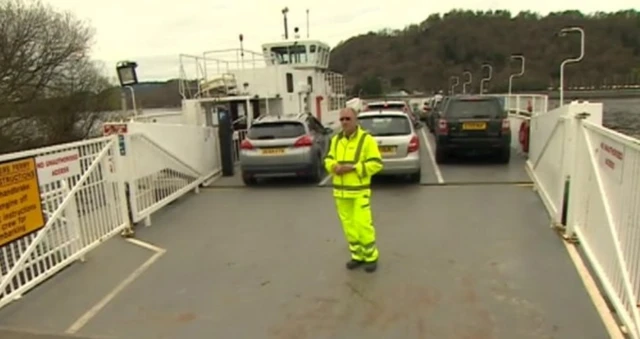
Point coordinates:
[(293, 54), (324, 56), (310, 83), (312, 49), (289, 83)]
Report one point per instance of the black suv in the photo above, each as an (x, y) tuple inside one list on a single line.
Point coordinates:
[(473, 123)]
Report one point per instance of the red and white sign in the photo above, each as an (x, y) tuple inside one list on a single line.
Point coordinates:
[(612, 158), (110, 129), (58, 166)]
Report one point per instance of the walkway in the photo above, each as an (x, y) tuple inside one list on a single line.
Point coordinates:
[(457, 262)]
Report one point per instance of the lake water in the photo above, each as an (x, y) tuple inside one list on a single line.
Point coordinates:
[(622, 115)]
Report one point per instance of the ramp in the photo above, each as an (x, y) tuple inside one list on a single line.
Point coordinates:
[(273, 267)]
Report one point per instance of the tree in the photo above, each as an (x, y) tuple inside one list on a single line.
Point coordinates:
[(370, 85), (50, 91), (425, 55)]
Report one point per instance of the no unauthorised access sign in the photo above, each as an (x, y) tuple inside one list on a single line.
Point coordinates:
[(20, 205)]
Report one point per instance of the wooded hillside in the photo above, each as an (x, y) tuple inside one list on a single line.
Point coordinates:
[(423, 56)]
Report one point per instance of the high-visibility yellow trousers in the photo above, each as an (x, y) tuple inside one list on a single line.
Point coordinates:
[(357, 224)]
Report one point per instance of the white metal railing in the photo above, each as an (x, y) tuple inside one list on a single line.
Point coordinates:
[(165, 161), (525, 105), (154, 185), (226, 60), (188, 80), (588, 177), (83, 203), (165, 118), (604, 213), (547, 151), (214, 72)]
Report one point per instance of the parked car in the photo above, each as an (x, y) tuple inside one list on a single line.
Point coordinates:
[(398, 142), (387, 104), (282, 146), (398, 105), (473, 124)]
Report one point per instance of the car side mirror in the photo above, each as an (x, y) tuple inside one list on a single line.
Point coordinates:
[(328, 130)]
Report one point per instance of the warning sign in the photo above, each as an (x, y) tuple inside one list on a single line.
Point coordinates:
[(110, 129), (612, 158), (20, 206), (58, 166)]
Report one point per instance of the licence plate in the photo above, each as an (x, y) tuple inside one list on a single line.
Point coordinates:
[(273, 151), (387, 149), (474, 126)]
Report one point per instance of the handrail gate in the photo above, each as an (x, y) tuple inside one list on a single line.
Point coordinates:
[(588, 177), (82, 199)]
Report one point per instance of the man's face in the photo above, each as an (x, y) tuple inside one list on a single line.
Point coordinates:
[(348, 120)]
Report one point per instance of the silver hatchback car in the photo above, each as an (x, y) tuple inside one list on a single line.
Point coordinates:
[(283, 146), (398, 142)]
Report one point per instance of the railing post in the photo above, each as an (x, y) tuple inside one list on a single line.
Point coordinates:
[(119, 148), (573, 130), (73, 221), (577, 114)]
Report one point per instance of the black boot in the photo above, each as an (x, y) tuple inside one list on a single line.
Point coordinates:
[(370, 267), (353, 264)]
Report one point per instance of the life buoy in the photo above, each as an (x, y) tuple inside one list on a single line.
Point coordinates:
[(524, 136)]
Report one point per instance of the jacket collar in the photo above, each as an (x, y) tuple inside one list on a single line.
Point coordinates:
[(354, 135)]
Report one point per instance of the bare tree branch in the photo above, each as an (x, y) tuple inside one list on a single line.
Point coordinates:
[(35, 46), (50, 91)]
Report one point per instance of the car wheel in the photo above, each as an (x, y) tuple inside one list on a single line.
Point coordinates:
[(505, 155), (441, 155), (415, 177), (317, 171), (249, 180)]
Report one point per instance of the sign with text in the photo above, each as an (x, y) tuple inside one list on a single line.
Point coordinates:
[(20, 206), (110, 129), (58, 166), (611, 158)]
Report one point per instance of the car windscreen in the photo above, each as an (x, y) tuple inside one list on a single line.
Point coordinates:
[(276, 130), (387, 106), (475, 109), (386, 125)]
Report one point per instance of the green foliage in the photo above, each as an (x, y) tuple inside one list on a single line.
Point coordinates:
[(369, 85), (425, 55)]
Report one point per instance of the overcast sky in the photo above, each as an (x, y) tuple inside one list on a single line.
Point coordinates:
[(155, 32)]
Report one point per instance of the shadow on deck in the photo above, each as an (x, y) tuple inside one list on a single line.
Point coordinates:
[(456, 262)]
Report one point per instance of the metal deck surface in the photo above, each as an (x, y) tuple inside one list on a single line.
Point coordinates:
[(269, 263)]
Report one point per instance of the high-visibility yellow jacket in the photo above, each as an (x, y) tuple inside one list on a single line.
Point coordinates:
[(360, 150)]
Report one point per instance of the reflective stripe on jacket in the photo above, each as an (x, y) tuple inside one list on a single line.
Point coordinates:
[(360, 150)]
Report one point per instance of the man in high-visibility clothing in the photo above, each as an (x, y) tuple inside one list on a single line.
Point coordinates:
[(352, 159)]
